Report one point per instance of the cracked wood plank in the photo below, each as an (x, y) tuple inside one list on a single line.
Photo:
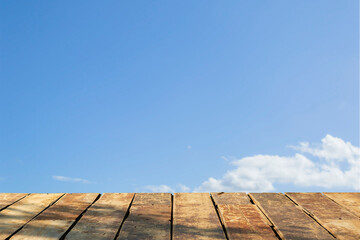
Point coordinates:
[(103, 219), (195, 217), (18, 214), (57, 219), (336, 219), (241, 218), (290, 221), (149, 217), (349, 200), (7, 199)]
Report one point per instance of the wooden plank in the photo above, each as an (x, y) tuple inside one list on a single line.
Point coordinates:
[(102, 220), (149, 218), (349, 200), (195, 217), (336, 219), (241, 218), (227, 198), (7, 199), (57, 219), (290, 221), (18, 214)]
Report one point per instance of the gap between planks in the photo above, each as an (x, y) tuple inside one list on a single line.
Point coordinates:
[(342, 223), (347, 205), (269, 221), (125, 217), (310, 215), (104, 218), (149, 218), (172, 217), (35, 215), (266, 218), (218, 214), (256, 225), (3, 208), (78, 218), (270, 203)]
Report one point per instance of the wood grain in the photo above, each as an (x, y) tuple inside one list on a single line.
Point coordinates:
[(149, 218), (241, 218), (228, 198), (103, 219), (7, 199), (289, 221), (336, 219), (54, 221), (18, 214), (349, 200), (195, 217)]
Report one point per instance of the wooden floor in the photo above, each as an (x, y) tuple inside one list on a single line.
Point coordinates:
[(182, 216)]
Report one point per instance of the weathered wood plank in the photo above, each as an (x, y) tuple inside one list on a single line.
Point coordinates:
[(336, 219), (56, 220), (7, 199), (149, 218), (349, 200), (18, 214), (195, 217), (228, 198), (102, 220), (289, 221), (241, 218)]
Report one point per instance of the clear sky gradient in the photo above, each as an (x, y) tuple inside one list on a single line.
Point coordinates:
[(126, 94)]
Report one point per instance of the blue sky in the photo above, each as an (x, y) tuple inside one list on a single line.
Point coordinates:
[(124, 96)]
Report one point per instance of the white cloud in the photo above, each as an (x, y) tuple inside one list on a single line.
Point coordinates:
[(331, 148), (262, 172), (184, 188), (69, 179), (166, 188), (159, 188)]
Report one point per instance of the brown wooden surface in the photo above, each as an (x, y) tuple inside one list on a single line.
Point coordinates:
[(349, 200), (336, 219), (180, 216), (18, 214), (228, 198), (195, 217), (241, 218), (7, 199), (149, 218), (56, 220), (289, 221), (102, 220)]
